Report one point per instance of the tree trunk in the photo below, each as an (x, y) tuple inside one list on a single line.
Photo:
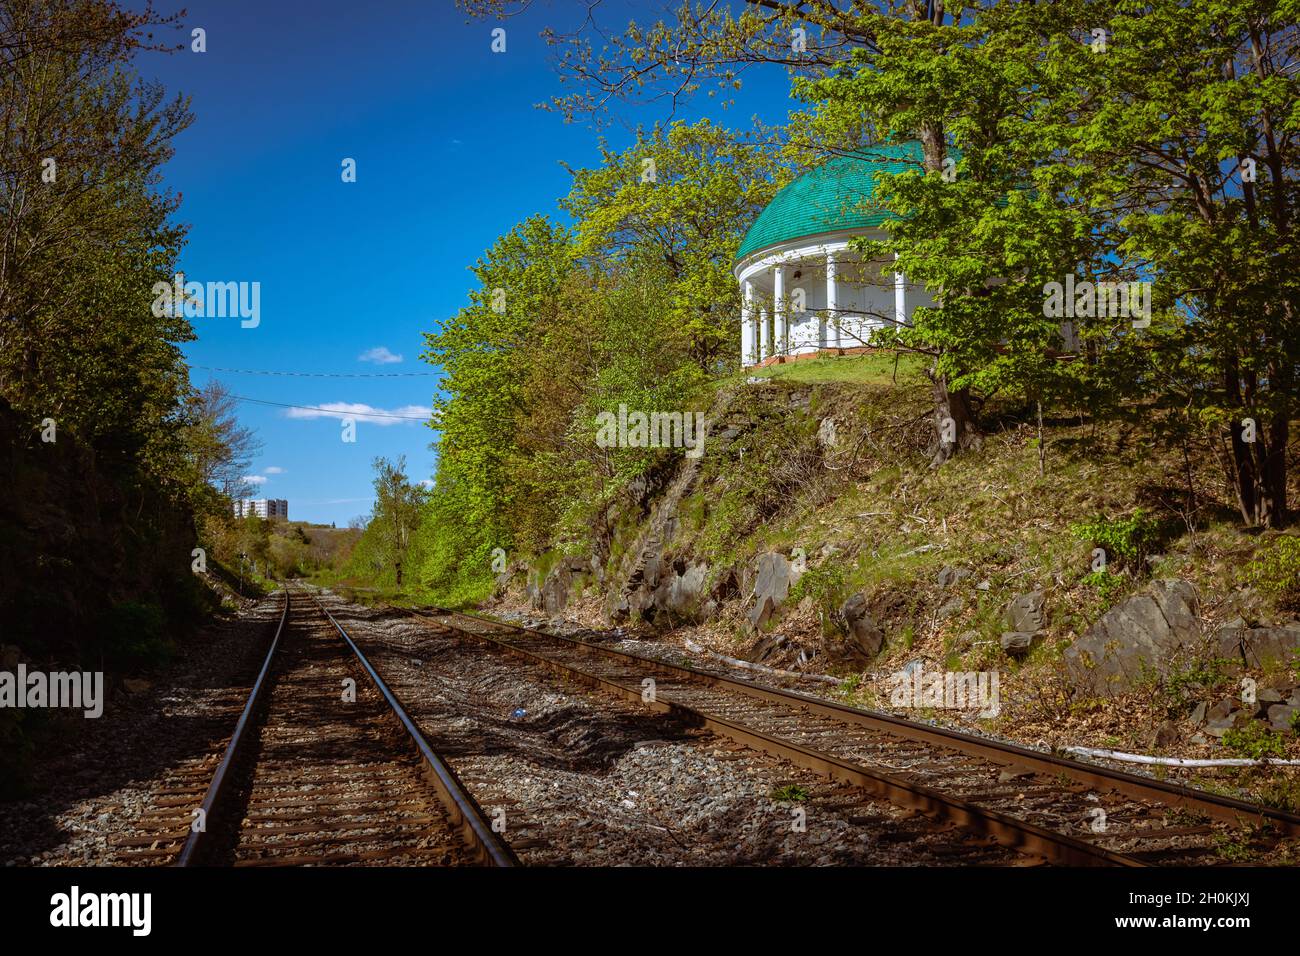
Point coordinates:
[(1272, 511), (1259, 467), (954, 421), (1259, 473), (1243, 467), (1042, 446)]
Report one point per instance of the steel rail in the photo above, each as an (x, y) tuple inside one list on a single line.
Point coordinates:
[(1224, 808), (466, 814), (1005, 829), (197, 842)]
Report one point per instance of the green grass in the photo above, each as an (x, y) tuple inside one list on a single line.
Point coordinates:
[(1255, 741), (790, 793), (871, 369), (1233, 849)]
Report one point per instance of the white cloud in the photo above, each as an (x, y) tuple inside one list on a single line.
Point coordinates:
[(406, 415), (273, 470), (380, 355), (427, 482), (255, 479)]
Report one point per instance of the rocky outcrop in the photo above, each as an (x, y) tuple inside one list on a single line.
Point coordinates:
[(556, 589), (1256, 647), (864, 637), (666, 591), (775, 576), (1144, 633), (682, 592), (950, 577), (637, 595), (1276, 706), (827, 434), (1023, 620)]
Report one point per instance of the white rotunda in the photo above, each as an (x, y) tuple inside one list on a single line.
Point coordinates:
[(804, 291)]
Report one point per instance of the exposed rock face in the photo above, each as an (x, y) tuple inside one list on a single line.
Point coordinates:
[(827, 435), (950, 577), (642, 525), (555, 590), (637, 595), (1145, 632), (775, 576), (681, 594), (668, 591), (1257, 646), (1024, 613), (864, 637), (1017, 643), (553, 594), (1023, 619)]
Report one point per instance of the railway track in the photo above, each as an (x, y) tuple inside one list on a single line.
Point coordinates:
[(588, 780), (1064, 811), (324, 767)]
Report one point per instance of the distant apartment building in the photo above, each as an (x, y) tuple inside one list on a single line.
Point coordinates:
[(262, 507)]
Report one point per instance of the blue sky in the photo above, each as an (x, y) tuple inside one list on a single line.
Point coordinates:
[(450, 153)]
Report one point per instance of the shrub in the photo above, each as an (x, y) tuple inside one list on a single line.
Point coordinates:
[(790, 793), (1108, 586), (1126, 541), (1255, 741), (1276, 572), (825, 584), (1184, 685)]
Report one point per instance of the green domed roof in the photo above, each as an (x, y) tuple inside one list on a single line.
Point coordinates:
[(836, 195)]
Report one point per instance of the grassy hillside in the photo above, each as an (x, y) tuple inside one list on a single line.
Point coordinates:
[(826, 463)]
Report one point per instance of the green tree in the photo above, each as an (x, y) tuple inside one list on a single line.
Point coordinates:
[(220, 448), (396, 513), (487, 353), (83, 233), (1188, 132), (682, 198)]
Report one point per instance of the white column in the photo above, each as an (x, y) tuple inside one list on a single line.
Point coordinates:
[(748, 328), (900, 297), (832, 302), (779, 344), (755, 323), (764, 342)]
